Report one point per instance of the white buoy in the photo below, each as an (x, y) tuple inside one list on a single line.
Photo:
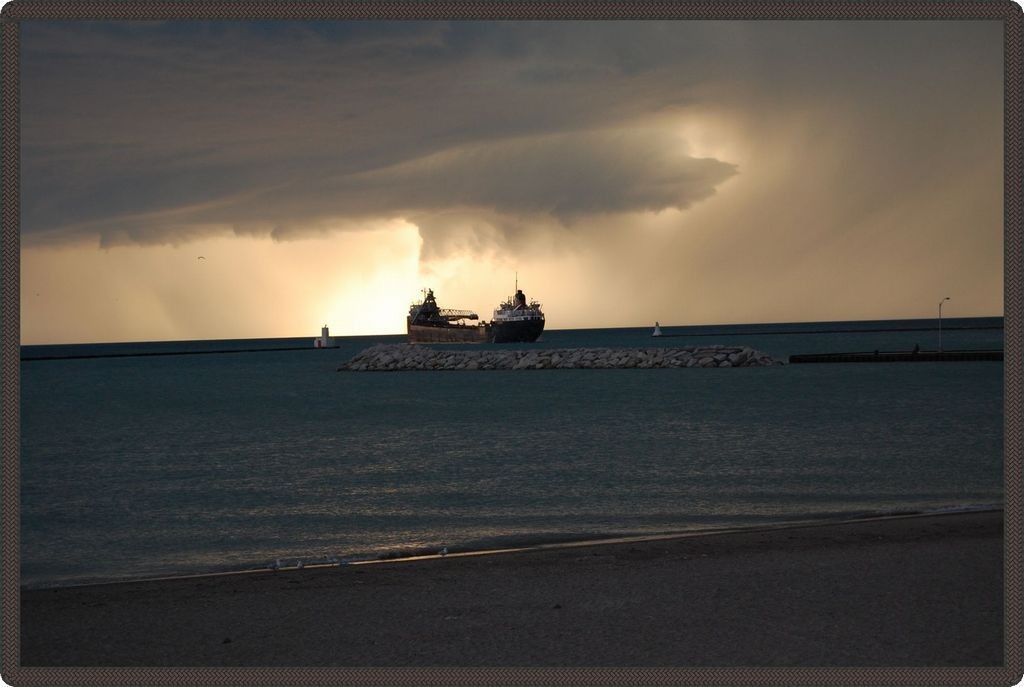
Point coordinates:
[(444, 551), (657, 330), (299, 565)]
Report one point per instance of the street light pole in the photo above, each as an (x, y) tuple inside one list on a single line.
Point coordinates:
[(940, 321)]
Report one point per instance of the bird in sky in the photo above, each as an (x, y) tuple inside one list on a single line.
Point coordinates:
[(201, 258)]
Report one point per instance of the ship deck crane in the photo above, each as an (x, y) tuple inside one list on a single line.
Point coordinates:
[(450, 314)]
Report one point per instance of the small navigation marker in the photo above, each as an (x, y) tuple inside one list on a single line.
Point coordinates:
[(324, 340), (657, 330), (444, 551), (276, 565)]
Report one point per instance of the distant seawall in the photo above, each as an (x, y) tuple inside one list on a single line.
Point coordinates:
[(144, 354), (898, 357), (402, 357)]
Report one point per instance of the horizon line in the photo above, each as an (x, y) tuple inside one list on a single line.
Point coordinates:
[(566, 329)]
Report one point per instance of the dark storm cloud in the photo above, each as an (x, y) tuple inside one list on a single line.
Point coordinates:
[(563, 175), (138, 132), (160, 133)]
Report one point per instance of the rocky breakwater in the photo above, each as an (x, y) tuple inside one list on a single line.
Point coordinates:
[(392, 357)]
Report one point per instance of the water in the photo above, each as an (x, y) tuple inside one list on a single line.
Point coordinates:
[(149, 466)]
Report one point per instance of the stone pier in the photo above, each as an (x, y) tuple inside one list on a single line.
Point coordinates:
[(402, 357)]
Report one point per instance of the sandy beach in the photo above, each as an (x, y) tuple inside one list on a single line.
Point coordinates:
[(915, 591)]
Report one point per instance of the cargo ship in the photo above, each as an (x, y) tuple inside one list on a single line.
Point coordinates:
[(428, 323), (515, 321)]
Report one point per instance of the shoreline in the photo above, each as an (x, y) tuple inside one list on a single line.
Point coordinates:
[(455, 552), (894, 590)]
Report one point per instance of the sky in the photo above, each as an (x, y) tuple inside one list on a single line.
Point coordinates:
[(687, 172)]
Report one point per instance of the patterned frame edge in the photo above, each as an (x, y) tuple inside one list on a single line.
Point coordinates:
[(24, 10)]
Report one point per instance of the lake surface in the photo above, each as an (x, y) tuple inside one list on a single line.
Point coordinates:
[(149, 466)]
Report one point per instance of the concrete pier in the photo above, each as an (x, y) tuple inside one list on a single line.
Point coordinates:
[(145, 354), (897, 357)]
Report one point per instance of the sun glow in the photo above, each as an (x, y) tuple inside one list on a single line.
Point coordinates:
[(375, 299), (375, 276), (709, 135)]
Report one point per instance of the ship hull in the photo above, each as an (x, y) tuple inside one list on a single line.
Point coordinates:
[(517, 331), (419, 333)]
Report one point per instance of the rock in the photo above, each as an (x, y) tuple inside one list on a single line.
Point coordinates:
[(384, 357)]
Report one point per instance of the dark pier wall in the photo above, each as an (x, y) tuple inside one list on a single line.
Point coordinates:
[(158, 353), (897, 357)]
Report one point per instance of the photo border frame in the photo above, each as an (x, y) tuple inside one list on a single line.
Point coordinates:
[(19, 11)]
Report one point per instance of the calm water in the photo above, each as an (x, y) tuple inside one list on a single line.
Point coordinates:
[(145, 466)]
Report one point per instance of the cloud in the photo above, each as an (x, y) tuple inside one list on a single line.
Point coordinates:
[(565, 176), (158, 133), (137, 133)]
